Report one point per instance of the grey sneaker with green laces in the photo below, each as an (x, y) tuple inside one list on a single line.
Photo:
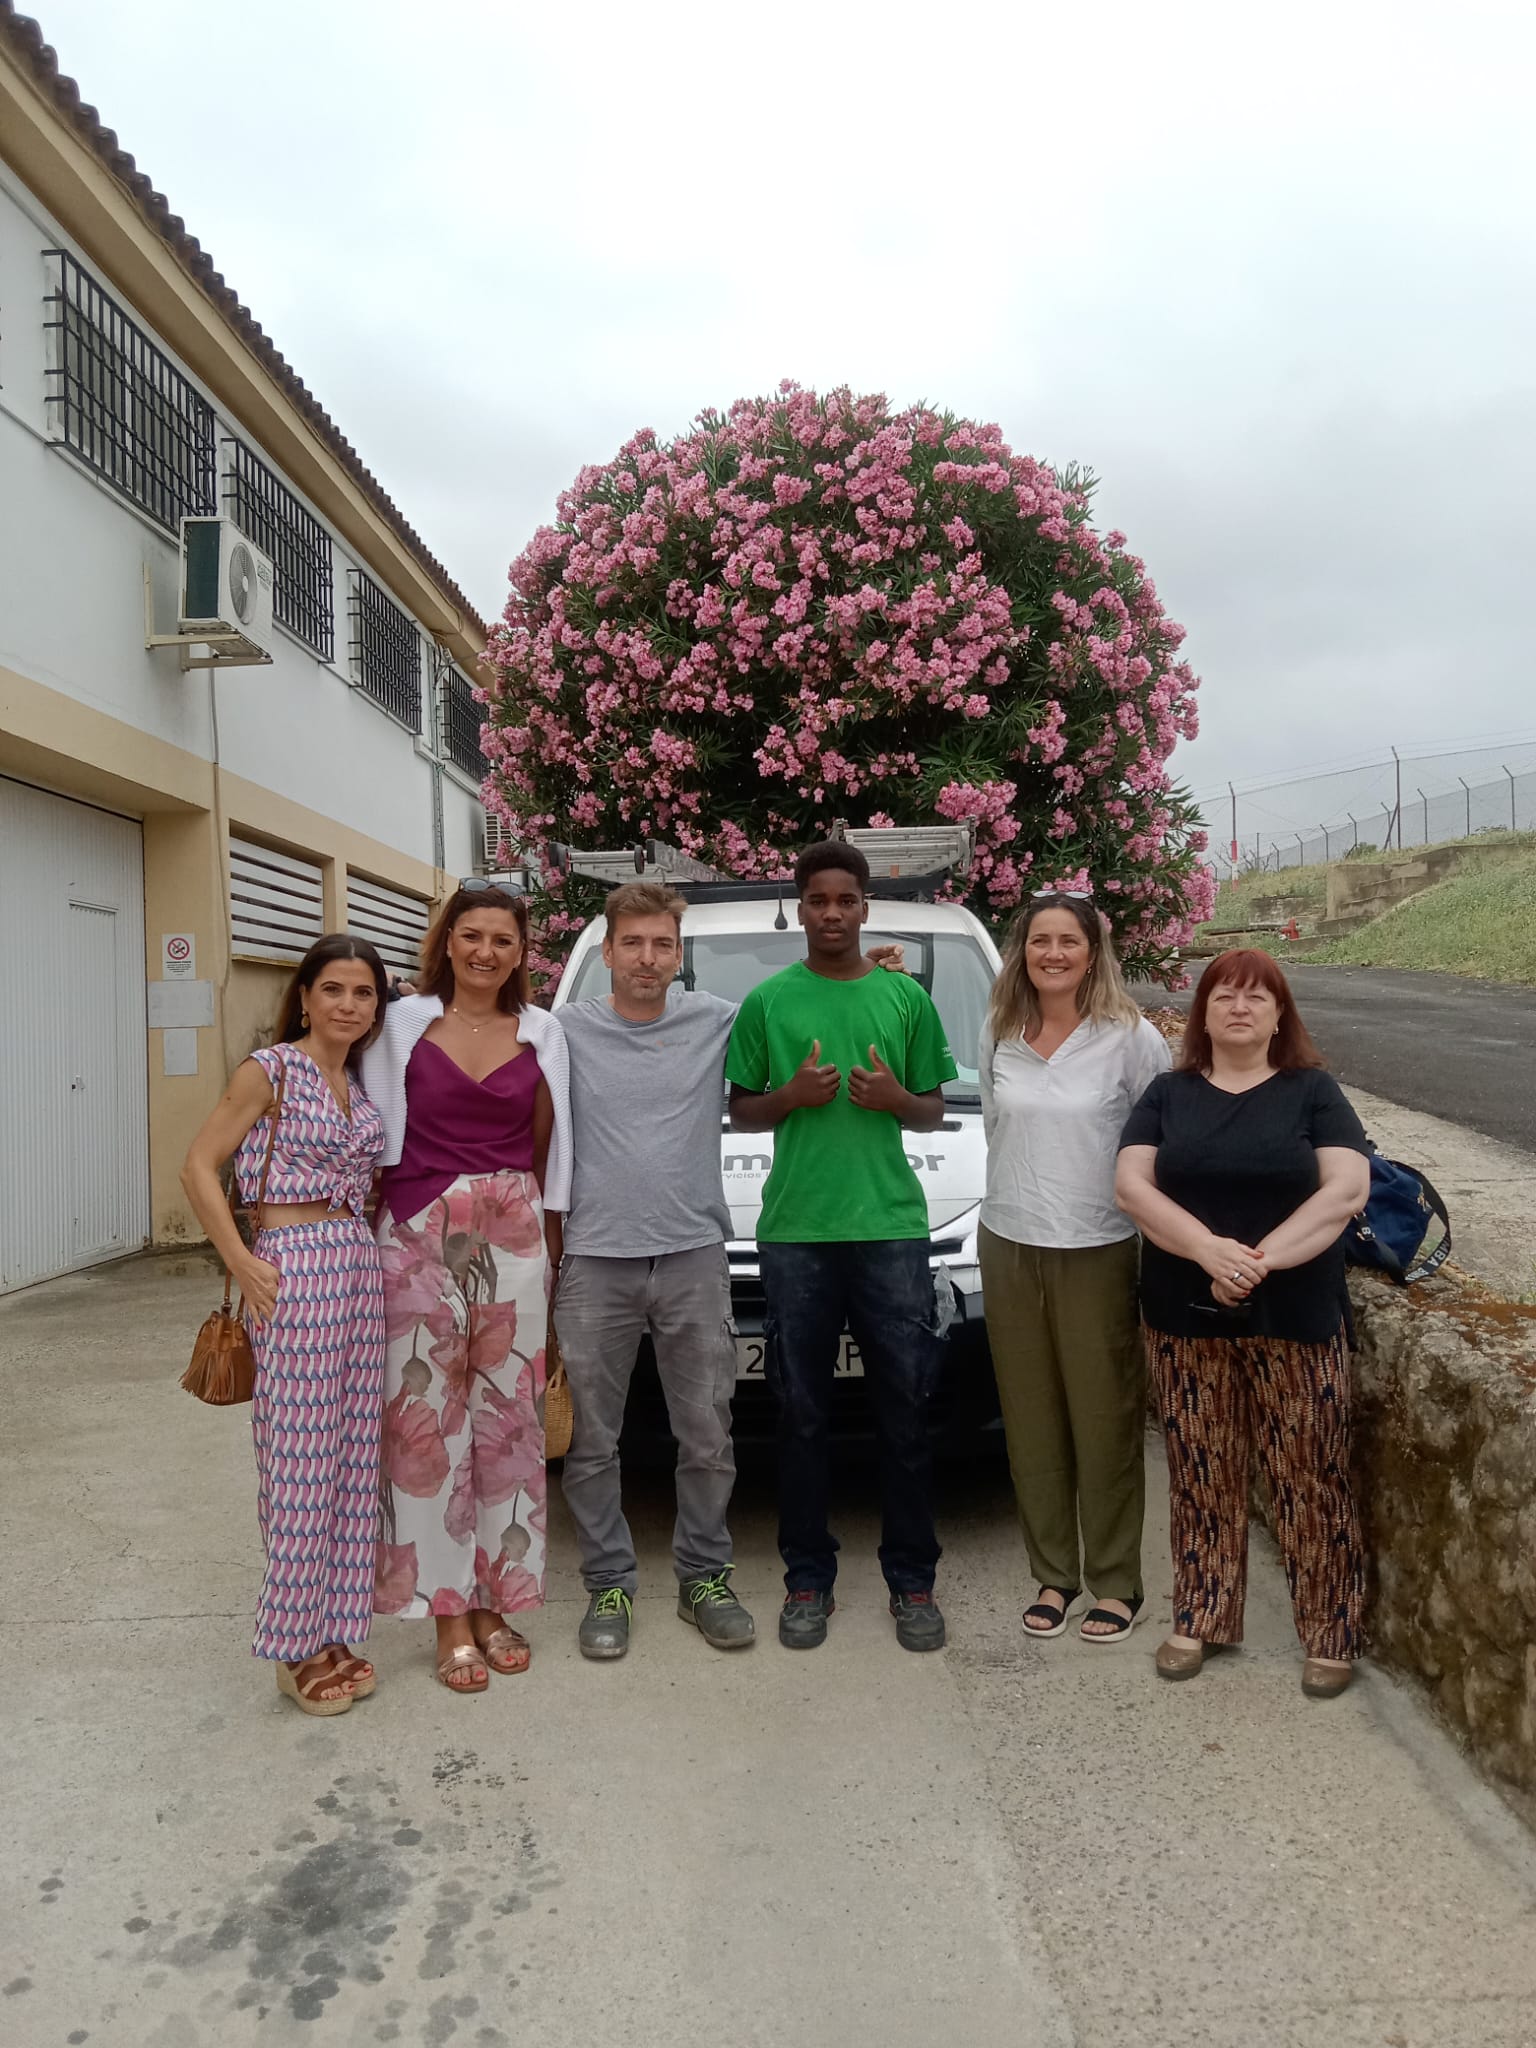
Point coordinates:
[(715, 1611), (604, 1630)]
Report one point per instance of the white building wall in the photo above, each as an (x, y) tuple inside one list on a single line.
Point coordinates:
[(72, 560)]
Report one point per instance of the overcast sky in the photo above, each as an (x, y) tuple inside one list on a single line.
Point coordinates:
[(1271, 273)]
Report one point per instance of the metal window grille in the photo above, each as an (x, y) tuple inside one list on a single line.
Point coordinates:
[(262, 506), (122, 406), (276, 902), (462, 718), (395, 922), (386, 651)]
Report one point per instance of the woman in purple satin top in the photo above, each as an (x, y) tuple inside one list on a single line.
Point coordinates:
[(471, 1086)]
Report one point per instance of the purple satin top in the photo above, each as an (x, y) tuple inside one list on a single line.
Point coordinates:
[(456, 1125)]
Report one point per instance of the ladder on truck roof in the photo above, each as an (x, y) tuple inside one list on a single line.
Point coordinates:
[(903, 859)]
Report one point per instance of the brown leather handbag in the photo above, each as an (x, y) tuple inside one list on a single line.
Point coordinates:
[(223, 1368)]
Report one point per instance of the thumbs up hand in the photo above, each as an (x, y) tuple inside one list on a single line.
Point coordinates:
[(876, 1087), (813, 1085)]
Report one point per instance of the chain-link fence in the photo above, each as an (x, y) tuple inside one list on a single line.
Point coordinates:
[(1413, 801)]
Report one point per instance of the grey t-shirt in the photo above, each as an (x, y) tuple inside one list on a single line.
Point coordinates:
[(646, 1103)]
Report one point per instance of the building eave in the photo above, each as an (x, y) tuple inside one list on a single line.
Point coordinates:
[(75, 166)]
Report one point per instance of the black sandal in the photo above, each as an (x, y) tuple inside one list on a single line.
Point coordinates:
[(1058, 1621), (1122, 1624)]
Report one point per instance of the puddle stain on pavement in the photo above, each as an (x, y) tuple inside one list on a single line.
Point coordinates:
[(336, 1902)]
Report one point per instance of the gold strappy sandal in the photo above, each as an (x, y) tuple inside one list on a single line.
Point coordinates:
[(305, 1696), (465, 1657), (514, 1651)]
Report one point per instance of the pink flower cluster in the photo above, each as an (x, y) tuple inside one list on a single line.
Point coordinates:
[(812, 607)]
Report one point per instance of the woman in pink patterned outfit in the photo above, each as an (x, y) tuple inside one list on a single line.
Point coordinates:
[(470, 1079), (315, 1311)]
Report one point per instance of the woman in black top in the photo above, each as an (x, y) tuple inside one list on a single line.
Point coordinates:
[(1241, 1169)]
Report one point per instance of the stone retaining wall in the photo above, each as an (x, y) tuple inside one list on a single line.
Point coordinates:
[(1445, 1461), (1368, 887)]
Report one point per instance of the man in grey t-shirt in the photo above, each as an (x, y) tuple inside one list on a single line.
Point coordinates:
[(645, 1252)]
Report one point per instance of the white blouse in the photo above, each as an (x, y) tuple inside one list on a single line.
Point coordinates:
[(1053, 1130)]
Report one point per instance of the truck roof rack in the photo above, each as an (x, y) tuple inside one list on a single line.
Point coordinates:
[(905, 862), (897, 851)]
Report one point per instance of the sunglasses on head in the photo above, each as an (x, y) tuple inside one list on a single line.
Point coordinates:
[(1071, 895), (477, 885)]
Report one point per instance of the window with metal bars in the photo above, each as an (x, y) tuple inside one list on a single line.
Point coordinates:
[(122, 406), (386, 651), (462, 718), (263, 507)]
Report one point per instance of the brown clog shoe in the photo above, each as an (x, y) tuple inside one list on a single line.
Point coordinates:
[(1324, 1679), (1179, 1660)]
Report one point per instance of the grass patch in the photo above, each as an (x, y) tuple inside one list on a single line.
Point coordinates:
[(1480, 923)]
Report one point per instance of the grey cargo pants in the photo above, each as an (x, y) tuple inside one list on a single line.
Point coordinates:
[(602, 1309)]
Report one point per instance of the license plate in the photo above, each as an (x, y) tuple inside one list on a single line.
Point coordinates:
[(749, 1359)]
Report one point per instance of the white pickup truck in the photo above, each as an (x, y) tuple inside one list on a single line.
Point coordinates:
[(734, 936)]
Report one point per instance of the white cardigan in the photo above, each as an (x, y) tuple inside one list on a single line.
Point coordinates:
[(385, 1062)]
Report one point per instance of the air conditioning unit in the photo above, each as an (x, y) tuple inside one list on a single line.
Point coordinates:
[(498, 843), (226, 590), (500, 861)]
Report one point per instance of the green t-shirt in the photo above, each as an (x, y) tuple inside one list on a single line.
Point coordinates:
[(840, 1173)]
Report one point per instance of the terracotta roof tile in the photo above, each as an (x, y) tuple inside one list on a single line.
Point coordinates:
[(24, 38)]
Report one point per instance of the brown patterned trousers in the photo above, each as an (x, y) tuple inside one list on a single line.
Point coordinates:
[(1220, 1398)]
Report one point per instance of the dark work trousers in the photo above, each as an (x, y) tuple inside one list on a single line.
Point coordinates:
[(883, 1293)]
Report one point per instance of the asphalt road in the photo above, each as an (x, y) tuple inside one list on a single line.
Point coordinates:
[(1463, 1050)]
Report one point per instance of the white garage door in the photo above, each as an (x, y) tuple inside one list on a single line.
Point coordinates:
[(74, 1157)]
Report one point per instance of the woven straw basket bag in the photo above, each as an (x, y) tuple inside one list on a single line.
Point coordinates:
[(559, 1419)]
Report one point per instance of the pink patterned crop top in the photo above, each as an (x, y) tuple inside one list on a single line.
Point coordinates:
[(320, 1155)]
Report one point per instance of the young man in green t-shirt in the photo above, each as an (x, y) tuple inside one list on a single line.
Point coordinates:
[(835, 1057)]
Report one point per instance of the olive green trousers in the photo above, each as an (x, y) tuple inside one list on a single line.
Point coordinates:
[(1072, 1380)]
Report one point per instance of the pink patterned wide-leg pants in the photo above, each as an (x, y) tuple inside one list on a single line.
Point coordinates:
[(467, 1311), (315, 1421)]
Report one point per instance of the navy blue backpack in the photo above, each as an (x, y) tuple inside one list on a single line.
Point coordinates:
[(1404, 1229)]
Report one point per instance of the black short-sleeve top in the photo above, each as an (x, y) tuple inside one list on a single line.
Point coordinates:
[(1241, 1164)]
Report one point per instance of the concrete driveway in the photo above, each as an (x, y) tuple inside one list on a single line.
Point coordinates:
[(1463, 1050), (1011, 1845)]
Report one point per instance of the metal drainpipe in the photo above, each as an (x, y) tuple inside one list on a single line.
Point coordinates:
[(440, 667)]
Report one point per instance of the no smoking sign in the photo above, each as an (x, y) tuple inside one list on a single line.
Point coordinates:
[(178, 956)]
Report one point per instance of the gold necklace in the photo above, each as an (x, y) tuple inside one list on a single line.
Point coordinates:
[(474, 1028)]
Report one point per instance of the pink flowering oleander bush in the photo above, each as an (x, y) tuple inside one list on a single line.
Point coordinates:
[(813, 607)]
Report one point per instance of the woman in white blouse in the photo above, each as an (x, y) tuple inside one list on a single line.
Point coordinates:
[(1065, 1055)]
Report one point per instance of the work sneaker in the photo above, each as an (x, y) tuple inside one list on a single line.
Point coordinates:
[(715, 1611), (919, 1624), (604, 1630), (803, 1618)]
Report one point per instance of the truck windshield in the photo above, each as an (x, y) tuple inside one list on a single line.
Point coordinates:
[(950, 966)]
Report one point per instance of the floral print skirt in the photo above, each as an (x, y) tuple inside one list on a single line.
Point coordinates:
[(462, 1444)]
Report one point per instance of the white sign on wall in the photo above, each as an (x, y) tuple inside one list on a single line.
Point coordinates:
[(178, 1004), (178, 956), (180, 1050)]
